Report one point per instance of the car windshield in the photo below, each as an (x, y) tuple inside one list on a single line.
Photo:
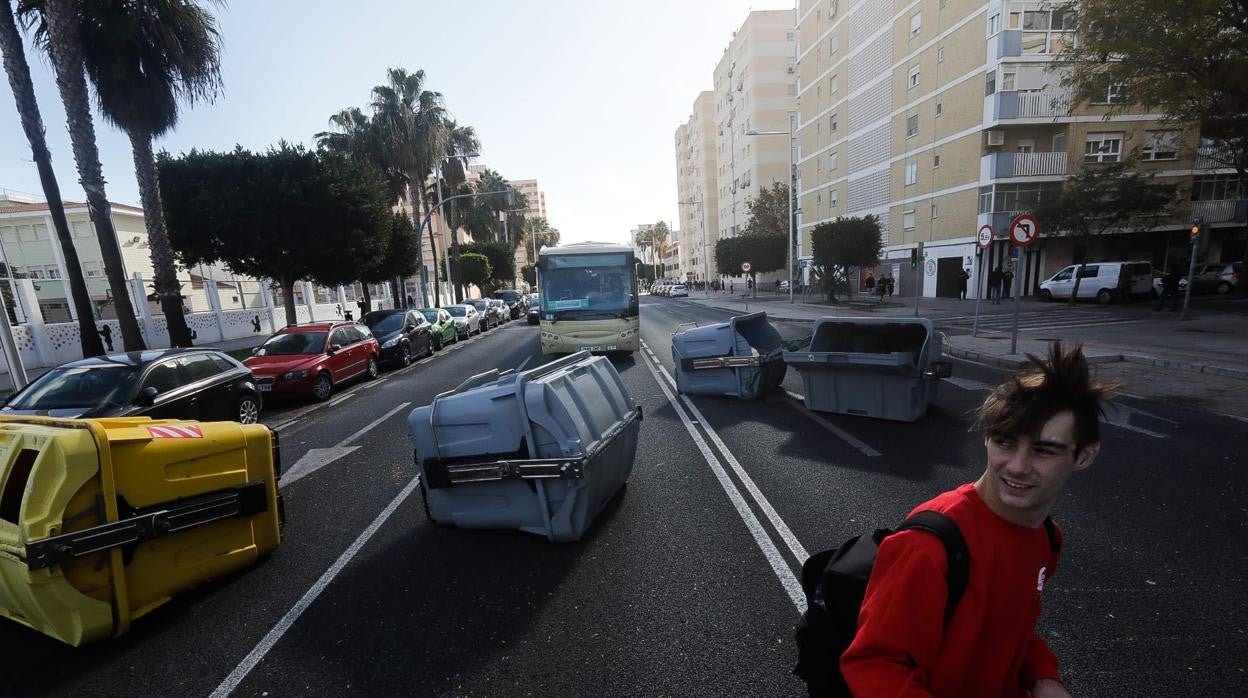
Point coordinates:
[(588, 282), (291, 343), (457, 310), (381, 323), (480, 305), (507, 296), (84, 386), (430, 315)]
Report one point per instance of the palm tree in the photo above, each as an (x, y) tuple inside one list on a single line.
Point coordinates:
[(32, 123), (143, 56), (461, 143), (63, 44), (410, 123)]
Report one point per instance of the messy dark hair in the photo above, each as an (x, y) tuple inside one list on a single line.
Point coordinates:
[(1022, 405)]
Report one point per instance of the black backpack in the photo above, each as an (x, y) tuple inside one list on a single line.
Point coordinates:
[(835, 582)]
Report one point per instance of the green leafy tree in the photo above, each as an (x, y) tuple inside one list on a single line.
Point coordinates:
[(767, 212), (1105, 198), (764, 253), (654, 239), (397, 259), (538, 233), (63, 43), (502, 258), (472, 269), (529, 273), (286, 214), (842, 244), (143, 57), (18, 71)]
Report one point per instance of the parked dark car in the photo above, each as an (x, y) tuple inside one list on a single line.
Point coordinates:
[(310, 359), (488, 318), (535, 309), (516, 306), (162, 384), (403, 334)]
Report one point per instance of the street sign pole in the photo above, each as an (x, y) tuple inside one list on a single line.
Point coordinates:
[(917, 263), (983, 240), (1197, 231), (1024, 230)]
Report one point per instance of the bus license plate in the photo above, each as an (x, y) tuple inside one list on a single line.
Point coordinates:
[(609, 347)]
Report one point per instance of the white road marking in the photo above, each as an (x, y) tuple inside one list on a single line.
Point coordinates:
[(778, 564), (267, 643), (795, 546), (523, 364), (344, 398), (1119, 415), (1237, 417), (844, 435), (316, 458)]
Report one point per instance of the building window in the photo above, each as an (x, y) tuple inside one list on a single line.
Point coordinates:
[(994, 24), (935, 161), (912, 125), (1007, 80), (912, 173), (832, 45), (832, 162), (1162, 145), (1216, 188), (832, 122), (940, 107), (913, 80), (1103, 147), (935, 211), (832, 85), (916, 23), (792, 89), (990, 83), (831, 9), (1113, 93), (1026, 145), (940, 55), (907, 220), (832, 199), (789, 36)]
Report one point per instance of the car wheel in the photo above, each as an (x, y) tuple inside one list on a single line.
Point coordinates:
[(1046, 295), (248, 410), (1224, 288), (405, 356), (429, 347), (436, 343), (373, 369), (1104, 296), (323, 387)]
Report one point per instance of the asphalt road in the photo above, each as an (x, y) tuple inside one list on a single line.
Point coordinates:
[(685, 585)]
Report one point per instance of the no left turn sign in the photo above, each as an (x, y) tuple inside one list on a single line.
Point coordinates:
[(1024, 230)]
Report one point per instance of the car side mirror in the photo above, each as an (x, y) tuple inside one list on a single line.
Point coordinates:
[(147, 396), (255, 351), (334, 349)]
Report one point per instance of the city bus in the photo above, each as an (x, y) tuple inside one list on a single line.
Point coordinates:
[(588, 293)]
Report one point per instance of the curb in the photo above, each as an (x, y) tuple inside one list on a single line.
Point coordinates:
[(1010, 362)]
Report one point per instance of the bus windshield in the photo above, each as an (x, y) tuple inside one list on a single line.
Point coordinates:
[(588, 286)]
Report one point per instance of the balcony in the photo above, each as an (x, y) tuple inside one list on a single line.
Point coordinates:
[(1003, 165), (1012, 104), (1212, 157), (1220, 211), (1005, 44)]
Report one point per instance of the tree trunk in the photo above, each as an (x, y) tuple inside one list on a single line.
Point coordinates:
[(32, 123), (368, 300), (168, 289), (288, 301), (420, 253), (433, 250), (63, 45), (1074, 293)]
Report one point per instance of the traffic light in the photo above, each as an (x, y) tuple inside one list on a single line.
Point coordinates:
[(914, 258), (1197, 225)]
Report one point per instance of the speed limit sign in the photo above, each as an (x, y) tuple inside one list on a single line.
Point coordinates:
[(745, 267), (985, 237)]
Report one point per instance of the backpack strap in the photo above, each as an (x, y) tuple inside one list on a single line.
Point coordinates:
[(1055, 536), (950, 535)]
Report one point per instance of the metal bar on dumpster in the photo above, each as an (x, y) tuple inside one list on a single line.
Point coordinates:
[(165, 519), (713, 362)]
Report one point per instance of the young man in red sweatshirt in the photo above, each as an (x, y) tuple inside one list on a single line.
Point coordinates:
[(1039, 427)]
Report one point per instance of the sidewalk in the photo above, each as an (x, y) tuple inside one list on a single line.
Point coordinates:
[(1212, 342)]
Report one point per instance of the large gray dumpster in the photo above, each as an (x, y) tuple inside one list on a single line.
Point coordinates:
[(539, 451), (740, 358), (888, 368)]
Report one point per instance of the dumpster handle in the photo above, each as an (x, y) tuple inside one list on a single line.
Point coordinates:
[(683, 324)]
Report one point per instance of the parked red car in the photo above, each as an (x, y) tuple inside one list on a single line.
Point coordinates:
[(311, 359)]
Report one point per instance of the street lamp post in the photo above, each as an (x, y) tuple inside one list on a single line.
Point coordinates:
[(792, 191)]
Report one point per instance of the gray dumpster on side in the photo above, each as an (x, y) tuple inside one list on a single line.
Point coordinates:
[(741, 358), (887, 368), (540, 451)]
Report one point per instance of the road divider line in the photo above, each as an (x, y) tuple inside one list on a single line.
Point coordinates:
[(257, 654), (768, 547), (844, 435), (523, 364), (344, 398), (794, 545), (372, 424)]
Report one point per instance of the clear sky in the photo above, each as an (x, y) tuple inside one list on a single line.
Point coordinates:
[(583, 95)]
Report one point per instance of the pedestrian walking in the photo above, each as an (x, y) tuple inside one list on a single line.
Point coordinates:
[(994, 285), (963, 277), (891, 283), (106, 333), (363, 307), (870, 283), (1007, 283), (1169, 291), (1039, 427)]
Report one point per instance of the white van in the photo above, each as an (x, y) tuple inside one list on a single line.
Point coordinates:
[(1104, 281)]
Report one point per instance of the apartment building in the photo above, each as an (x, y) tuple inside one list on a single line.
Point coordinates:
[(753, 90), (942, 116), (534, 195), (697, 187)]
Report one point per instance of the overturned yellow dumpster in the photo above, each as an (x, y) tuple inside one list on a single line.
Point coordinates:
[(104, 520)]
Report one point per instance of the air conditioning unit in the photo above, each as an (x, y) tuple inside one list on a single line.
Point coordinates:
[(996, 137)]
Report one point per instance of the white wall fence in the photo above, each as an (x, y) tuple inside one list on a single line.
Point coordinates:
[(43, 345)]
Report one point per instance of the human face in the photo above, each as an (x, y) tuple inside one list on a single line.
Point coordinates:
[(1025, 475)]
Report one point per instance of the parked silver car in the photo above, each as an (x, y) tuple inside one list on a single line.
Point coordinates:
[(466, 318), (500, 311)]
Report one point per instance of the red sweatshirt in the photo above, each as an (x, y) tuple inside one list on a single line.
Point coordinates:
[(990, 648)]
